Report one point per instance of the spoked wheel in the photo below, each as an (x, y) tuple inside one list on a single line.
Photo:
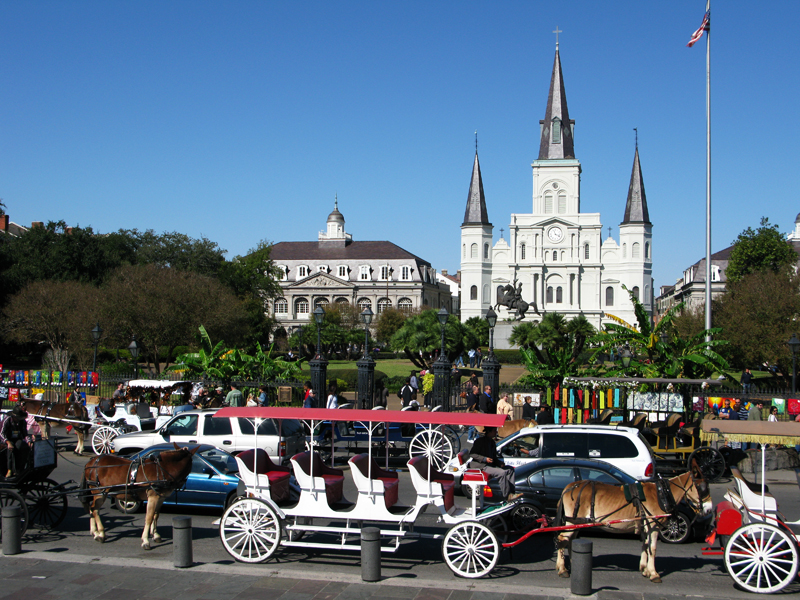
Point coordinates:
[(470, 549), (761, 558), (677, 530), (525, 517), (250, 530), (13, 498), (499, 526), (128, 505), (453, 436), (102, 439), (295, 535), (47, 506), (435, 445), (710, 462)]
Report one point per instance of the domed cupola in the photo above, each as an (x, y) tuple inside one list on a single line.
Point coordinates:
[(334, 234)]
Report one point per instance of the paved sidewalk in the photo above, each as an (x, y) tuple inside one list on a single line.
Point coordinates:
[(51, 576)]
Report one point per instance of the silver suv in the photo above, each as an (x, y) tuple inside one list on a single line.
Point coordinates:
[(232, 434), (623, 447)]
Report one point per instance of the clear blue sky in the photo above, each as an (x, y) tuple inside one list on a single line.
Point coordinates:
[(241, 120)]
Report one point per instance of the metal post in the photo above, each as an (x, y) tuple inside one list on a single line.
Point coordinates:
[(12, 530), (580, 556), (319, 377), (182, 542), (370, 554), (794, 373), (366, 381)]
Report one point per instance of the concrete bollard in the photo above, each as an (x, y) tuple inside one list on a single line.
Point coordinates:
[(182, 542), (12, 530), (580, 556), (370, 554)]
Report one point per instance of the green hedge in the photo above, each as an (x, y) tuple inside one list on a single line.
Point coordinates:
[(349, 378), (508, 357)]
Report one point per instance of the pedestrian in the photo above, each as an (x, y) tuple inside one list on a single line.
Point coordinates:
[(773, 414), (545, 417), (746, 378), (726, 410), (14, 431), (478, 358), (484, 457), (263, 399), (486, 402), (460, 359), (383, 394), (754, 414), (414, 382), (119, 393), (528, 410), (311, 400), (473, 381), (234, 397), (406, 393), (306, 390), (333, 398), (504, 406), (471, 355), (472, 406)]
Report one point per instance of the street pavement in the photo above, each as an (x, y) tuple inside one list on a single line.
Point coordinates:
[(67, 563)]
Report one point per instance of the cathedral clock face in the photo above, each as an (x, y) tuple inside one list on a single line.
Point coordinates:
[(555, 235)]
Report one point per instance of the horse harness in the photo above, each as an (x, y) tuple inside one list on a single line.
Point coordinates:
[(162, 482)]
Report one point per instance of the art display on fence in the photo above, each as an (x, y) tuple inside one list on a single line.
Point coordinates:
[(655, 402), (519, 398)]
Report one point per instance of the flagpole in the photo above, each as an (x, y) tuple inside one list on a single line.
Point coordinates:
[(708, 174)]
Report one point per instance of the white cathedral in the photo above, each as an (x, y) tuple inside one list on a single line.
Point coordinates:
[(555, 251)]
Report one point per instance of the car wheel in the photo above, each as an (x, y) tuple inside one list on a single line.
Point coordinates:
[(232, 497), (525, 517), (677, 529), (129, 506)]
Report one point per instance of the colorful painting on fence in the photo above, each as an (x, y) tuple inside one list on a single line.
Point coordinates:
[(519, 398)]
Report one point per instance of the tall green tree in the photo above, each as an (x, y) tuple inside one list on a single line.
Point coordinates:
[(765, 248), (389, 322), (480, 327), (420, 337)]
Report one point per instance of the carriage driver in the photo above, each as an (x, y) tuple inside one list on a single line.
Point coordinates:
[(484, 456), (14, 431)]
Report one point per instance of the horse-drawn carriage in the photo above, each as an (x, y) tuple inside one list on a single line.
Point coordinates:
[(760, 547)]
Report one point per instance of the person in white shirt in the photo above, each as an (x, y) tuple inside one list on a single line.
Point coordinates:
[(333, 398)]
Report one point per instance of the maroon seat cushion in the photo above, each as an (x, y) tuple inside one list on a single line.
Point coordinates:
[(333, 478), (449, 489), (391, 491)]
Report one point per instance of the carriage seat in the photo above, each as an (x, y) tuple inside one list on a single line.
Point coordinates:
[(605, 416), (639, 421), (440, 484), (750, 493), (463, 456), (264, 474), (385, 483), (325, 478), (666, 432)]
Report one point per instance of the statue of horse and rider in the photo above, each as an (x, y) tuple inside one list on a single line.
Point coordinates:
[(512, 299)]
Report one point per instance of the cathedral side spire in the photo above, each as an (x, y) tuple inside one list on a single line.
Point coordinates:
[(557, 128), (476, 202), (636, 206)]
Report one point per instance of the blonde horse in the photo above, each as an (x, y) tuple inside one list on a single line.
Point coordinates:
[(592, 502)]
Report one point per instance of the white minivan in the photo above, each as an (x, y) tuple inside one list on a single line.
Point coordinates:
[(232, 434), (623, 447)]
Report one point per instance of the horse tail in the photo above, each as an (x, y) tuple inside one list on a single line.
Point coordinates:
[(559, 512)]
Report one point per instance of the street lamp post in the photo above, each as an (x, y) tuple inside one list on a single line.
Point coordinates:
[(133, 348), (441, 369), (491, 366), (626, 357), (319, 364), (366, 366), (794, 345), (96, 333)]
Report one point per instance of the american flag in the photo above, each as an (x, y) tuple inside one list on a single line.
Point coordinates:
[(704, 27)]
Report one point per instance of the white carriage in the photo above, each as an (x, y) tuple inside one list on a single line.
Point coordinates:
[(269, 515), (127, 417)]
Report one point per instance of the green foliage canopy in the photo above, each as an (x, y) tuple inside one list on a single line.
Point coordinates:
[(765, 248)]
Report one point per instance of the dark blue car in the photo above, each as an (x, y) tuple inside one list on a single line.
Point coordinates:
[(211, 484)]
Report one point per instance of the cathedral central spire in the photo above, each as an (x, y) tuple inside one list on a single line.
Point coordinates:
[(557, 128), (636, 206), (476, 202)]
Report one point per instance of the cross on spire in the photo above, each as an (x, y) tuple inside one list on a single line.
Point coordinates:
[(476, 140), (637, 136), (557, 31), (501, 233), (609, 232)]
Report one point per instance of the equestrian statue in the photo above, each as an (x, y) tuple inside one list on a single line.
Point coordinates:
[(512, 299)]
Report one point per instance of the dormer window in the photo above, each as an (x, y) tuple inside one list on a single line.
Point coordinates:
[(283, 272), (341, 272), (556, 137), (302, 271), (322, 269), (386, 273), (405, 273), (363, 273)]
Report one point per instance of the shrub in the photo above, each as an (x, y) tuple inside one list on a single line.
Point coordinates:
[(508, 357)]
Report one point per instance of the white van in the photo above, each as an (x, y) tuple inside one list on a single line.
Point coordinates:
[(623, 447)]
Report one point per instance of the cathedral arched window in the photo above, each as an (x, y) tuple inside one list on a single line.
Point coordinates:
[(586, 251), (281, 306), (473, 251), (647, 250), (522, 251), (559, 295), (635, 291), (473, 292), (500, 294), (624, 250), (555, 256), (549, 294), (635, 250), (486, 251), (609, 296), (301, 306), (405, 304), (485, 295), (562, 203), (548, 202), (556, 137)]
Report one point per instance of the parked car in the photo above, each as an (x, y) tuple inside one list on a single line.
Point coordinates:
[(232, 434), (623, 447), (541, 483), (211, 484)]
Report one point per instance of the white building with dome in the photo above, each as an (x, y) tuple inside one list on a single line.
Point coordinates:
[(554, 250)]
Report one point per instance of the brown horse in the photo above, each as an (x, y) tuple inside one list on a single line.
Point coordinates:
[(44, 410), (592, 502), (153, 479)]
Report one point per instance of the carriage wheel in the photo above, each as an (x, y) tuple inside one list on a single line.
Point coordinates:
[(470, 549), (452, 435), (47, 506), (102, 440), (525, 517), (761, 558), (499, 525), (433, 444), (676, 530), (250, 530), (12, 498), (710, 462)]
